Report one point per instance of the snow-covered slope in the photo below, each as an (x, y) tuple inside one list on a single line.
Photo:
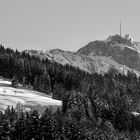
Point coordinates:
[(28, 99)]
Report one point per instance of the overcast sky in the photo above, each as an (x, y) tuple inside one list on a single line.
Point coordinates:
[(65, 24)]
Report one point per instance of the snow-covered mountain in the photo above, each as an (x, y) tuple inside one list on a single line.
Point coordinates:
[(98, 56)]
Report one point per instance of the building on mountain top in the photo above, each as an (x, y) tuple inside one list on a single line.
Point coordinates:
[(128, 37)]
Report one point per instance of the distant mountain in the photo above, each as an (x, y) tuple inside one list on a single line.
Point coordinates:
[(98, 56)]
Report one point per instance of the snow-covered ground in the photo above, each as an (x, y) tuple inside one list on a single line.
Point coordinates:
[(27, 98)]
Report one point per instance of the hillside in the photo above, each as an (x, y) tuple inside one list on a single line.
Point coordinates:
[(96, 106), (28, 99)]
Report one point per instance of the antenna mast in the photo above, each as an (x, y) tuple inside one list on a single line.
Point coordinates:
[(120, 28)]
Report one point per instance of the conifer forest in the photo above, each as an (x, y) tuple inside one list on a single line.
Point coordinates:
[(94, 106)]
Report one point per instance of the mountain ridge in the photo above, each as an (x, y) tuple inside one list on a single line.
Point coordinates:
[(98, 56)]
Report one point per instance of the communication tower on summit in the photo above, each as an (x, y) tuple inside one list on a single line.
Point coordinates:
[(120, 28)]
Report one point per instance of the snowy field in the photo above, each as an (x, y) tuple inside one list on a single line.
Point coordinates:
[(28, 99)]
